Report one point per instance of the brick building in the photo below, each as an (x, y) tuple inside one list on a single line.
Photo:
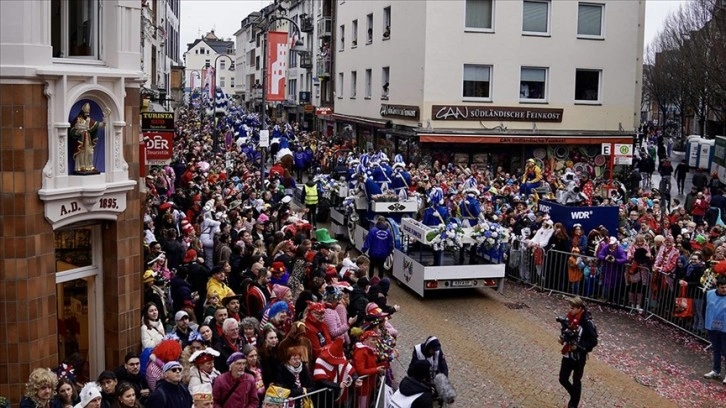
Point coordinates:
[(70, 227)]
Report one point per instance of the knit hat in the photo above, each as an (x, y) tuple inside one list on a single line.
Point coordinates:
[(277, 267), (280, 291), (88, 393), (170, 366)]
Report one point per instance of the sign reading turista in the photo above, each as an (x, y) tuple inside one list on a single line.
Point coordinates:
[(157, 121), (400, 111), (498, 113)]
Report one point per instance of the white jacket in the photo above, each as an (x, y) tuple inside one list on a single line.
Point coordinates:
[(151, 337)]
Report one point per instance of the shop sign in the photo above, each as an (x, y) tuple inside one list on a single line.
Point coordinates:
[(323, 110), (159, 146), (400, 111), (309, 108), (495, 113), (157, 121), (59, 210)]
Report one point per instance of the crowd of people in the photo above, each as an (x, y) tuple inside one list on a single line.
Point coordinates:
[(247, 303)]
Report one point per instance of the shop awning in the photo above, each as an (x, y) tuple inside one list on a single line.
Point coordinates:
[(524, 139), (359, 120)]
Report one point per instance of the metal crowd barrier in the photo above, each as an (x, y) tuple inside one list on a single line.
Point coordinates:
[(369, 395), (627, 286)]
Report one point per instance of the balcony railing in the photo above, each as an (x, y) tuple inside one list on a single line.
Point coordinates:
[(324, 66), (306, 60), (306, 25), (325, 27)]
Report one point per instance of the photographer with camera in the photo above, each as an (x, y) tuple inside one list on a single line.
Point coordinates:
[(578, 337)]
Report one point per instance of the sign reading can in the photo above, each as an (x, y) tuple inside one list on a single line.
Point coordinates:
[(157, 121), (400, 111), (496, 113)]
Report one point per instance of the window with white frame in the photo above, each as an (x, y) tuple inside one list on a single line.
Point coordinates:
[(354, 33), (369, 28), (590, 20), (222, 82), (75, 28), (342, 37), (222, 65), (369, 84), (387, 22), (536, 17), (477, 81), (533, 84), (292, 90), (587, 85), (385, 79), (339, 85), (479, 14), (353, 83)]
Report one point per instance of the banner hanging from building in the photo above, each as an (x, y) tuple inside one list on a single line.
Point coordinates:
[(277, 51)]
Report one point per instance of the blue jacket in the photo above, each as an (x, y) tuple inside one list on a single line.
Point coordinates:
[(300, 160), (379, 242), (168, 395), (715, 311)]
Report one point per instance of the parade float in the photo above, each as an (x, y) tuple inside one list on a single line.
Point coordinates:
[(473, 257)]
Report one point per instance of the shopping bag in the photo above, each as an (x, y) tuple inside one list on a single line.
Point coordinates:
[(307, 402), (684, 305)]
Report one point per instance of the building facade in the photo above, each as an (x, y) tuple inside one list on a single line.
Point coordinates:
[(307, 73), (70, 226), (160, 46), (481, 75), (208, 52)]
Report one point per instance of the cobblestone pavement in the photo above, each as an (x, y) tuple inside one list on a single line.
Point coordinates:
[(502, 351)]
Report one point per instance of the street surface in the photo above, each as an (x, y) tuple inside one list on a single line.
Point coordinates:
[(502, 351)]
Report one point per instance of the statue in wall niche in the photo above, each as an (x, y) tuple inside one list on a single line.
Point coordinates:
[(85, 132)]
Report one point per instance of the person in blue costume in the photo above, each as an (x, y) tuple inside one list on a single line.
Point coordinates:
[(434, 215), (379, 176), (400, 180), (470, 208)]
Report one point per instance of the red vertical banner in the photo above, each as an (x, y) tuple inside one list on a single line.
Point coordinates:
[(277, 49)]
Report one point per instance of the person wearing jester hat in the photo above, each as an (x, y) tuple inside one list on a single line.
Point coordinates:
[(379, 175), (531, 178), (434, 215)]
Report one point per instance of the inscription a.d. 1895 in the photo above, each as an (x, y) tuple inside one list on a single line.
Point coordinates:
[(498, 113)]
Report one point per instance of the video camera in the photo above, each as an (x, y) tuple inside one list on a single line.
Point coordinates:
[(567, 335)]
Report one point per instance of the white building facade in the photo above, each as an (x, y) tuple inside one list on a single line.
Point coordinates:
[(488, 72), (159, 44), (210, 51)]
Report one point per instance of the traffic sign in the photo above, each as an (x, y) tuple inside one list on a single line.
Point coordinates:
[(623, 149), (605, 151)]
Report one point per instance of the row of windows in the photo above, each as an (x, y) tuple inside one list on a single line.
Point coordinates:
[(533, 84), (477, 84), (368, 83), (385, 30), (536, 17)]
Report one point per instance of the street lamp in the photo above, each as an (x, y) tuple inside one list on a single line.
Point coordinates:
[(299, 46)]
